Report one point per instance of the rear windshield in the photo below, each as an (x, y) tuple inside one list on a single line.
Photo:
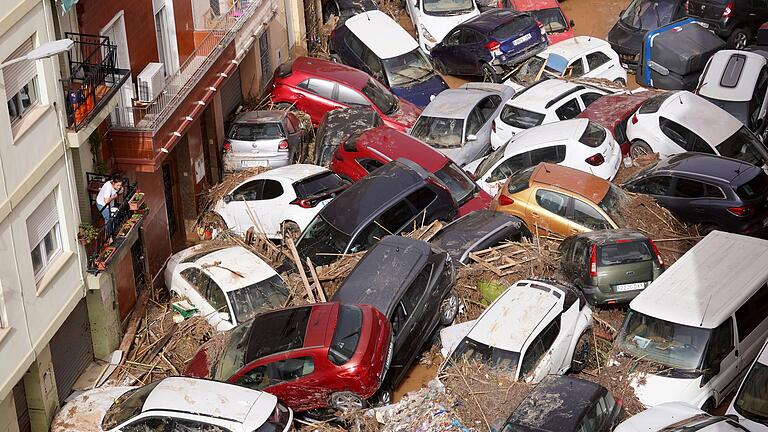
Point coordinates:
[(742, 145), (520, 118), (458, 183), (514, 28), (552, 19), (519, 180), (753, 188), (470, 350), (624, 253), (252, 132), (593, 135), (347, 334), (127, 406), (653, 104), (318, 185)]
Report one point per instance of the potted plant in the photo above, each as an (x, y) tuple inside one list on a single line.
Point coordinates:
[(136, 201), (86, 233), (143, 209), (104, 257)]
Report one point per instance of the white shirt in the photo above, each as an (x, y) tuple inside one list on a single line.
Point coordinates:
[(106, 191)]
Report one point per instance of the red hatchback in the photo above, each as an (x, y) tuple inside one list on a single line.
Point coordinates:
[(317, 86), (613, 111), (365, 151), (310, 357), (548, 13)]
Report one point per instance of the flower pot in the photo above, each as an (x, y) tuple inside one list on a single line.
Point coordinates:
[(136, 201), (104, 257)]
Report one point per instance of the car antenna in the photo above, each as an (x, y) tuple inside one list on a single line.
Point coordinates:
[(705, 311)]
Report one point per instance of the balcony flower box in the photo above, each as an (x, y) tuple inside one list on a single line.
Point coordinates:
[(136, 201), (142, 210), (126, 228), (104, 257)]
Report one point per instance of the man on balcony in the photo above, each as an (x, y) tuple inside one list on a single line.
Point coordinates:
[(107, 195)]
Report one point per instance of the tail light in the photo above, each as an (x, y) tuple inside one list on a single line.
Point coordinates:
[(493, 125), (656, 251), (728, 11), (593, 262), (304, 203), (742, 211), (493, 47), (619, 402), (283, 145), (227, 146), (634, 118), (686, 5), (505, 200), (595, 160)]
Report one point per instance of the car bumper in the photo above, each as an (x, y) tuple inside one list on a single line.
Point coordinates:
[(241, 162), (509, 60), (756, 227)]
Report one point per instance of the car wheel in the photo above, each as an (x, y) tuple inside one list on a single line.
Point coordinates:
[(383, 397), (284, 106), (620, 81), (708, 406), (449, 308), (739, 38), (581, 352), (439, 66), (346, 401), (290, 229), (489, 74), (639, 148)]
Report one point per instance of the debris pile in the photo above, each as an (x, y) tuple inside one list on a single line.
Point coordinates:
[(638, 164)]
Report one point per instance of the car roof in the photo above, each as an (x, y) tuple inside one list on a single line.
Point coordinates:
[(612, 109), (455, 103), (313, 67), (586, 185), (556, 404), (734, 74), (706, 165), (369, 195), (338, 124), (699, 115), (532, 5), (289, 329), (489, 20), (546, 134), (395, 144), (238, 268), (384, 273), (575, 46), (609, 236), (211, 399), (728, 268), (529, 302), (464, 232), (265, 116), (381, 34), (538, 95), (291, 173)]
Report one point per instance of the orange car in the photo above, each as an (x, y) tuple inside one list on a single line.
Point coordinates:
[(559, 200)]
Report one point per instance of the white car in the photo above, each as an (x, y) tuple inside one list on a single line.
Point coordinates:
[(751, 401), (676, 122), (282, 200), (535, 328), (433, 19), (227, 285), (578, 57), (577, 143), (544, 102), (177, 404), (678, 416)]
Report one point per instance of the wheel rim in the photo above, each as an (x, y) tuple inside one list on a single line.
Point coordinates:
[(741, 40), (450, 307), (637, 150), (347, 402), (386, 397), (582, 349)]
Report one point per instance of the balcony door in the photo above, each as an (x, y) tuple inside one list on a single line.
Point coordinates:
[(115, 31), (165, 33)]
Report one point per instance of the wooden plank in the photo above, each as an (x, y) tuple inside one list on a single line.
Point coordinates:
[(312, 271), (133, 326), (297, 260)]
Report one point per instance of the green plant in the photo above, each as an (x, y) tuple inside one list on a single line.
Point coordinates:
[(86, 233)]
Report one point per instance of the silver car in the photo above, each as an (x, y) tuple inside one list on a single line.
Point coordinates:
[(263, 138), (458, 122)]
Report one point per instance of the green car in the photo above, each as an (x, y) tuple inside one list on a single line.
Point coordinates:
[(610, 266)]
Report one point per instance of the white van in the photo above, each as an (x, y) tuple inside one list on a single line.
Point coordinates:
[(703, 321), (751, 402)]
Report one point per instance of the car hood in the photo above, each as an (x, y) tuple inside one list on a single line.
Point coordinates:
[(439, 26), (85, 412), (421, 93), (625, 40), (660, 389), (452, 335), (406, 115)]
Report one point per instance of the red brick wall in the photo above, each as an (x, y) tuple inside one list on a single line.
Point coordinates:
[(185, 28), (157, 242)]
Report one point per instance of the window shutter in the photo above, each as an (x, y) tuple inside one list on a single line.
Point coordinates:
[(42, 220), (16, 76)]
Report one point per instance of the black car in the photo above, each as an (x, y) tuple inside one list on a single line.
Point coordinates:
[(641, 16), (411, 283), (716, 192), (394, 198), (565, 404), (345, 9), (736, 21), (337, 125), (476, 231)]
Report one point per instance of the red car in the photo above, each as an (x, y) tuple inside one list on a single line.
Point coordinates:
[(364, 152), (548, 13), (310, 357), (317, 86), (613, 111)]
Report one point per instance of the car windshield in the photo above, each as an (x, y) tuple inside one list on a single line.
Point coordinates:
[(447, 7), (742, 145), (490, 161), (439, 132), (347, 334), (265, 295), (235, 343), (529, 70), (513, 29), (613, 199), (407, 69), (753, 188), (700, 422), (381, 97), (752, 400), (551, 19), (127, 406), (457, 181), (648, 14), (496, 358), (623, 252), (321, 242), (520, 118), (667, 343), (253, 132)]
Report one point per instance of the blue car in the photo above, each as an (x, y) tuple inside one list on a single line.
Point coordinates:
[(374, 43), (489, 44)]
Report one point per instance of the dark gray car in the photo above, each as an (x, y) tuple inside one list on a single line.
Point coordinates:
[(476, 231)]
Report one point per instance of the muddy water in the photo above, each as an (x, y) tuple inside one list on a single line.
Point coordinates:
[(417, 377)]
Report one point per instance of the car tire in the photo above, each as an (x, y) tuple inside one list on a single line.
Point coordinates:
[(449, 308), (284, 106), (489, 74), (439, 66), (382, 397), (581, 351), (709, 405), (620, 81), (639, 148), (739, 38), (290, 229), (346, 401)]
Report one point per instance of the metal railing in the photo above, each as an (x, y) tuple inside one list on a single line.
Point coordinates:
[(150, 116), (110, 229), (93, 77)]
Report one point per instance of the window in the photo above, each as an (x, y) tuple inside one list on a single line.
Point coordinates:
[(397, 216), (162, 34), (422, 198), (44, 236), (554, 154), (586, 215), (568, 110), (250, 191), (580, 252), (713, 191), (588, 98), (474, 122), (355, 45), (255, 379), (418, 288), (453, 38), (470, 37), (752, 313), (653, 104), (266, 59), (520, 118), (20, 81), (183, 425), (294, 368), (507, 168), (373, 63), (597, 59), (319, 87), (593, 136), (488, 106), (152, 424), (272, 189), (552, 201), (720, 344), (689, 189), (540, 345), (577, 68), (369, 164), (351, 97), (654, 185), (676, 132)]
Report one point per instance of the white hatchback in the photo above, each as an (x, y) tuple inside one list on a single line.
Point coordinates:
[(535, 328), (577, 143), (751, 401), (433, 19), (678, 416)]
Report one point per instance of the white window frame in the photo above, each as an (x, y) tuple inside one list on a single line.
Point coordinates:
[(32, 93), (47, 257), (167, 48), (44, 223)]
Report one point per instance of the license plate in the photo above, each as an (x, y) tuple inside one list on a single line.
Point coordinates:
[(253, 164), (522, 39), (703, 24), (630, 287)]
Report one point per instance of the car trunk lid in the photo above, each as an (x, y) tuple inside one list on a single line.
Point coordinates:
[(708, 9)]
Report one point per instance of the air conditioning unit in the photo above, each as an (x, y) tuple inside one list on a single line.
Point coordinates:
[(150, 82)]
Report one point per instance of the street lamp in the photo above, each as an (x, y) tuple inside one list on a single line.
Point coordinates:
[(48, 49)]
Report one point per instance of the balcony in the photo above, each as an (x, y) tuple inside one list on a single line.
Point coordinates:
[(92, 90)]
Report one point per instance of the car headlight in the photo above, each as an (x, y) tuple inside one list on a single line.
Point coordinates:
[(427, 35)]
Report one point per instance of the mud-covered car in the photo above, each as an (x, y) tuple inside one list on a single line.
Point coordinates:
[(337, 125)]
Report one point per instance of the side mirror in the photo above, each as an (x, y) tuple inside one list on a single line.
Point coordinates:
[(572, 23), (471, 137), (227, 198), (225, 316)]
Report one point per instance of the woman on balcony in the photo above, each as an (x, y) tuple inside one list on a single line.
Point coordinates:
[(107, 194)]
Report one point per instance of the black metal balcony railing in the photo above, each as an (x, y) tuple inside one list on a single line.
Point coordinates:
[(93, 77), (108, 232)]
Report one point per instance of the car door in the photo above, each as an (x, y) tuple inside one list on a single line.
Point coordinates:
[(446, 50), (575, 68), (568, 108), (681, 136), (318, 98), (599, 65), (722, 360), (351, 97), (268, 209), (355, 51), (539, 358), (472, 51), (487, 108), (588, 97), (294, 135), (690, 202), (658, 187), (389, 222), (550, 215), (415, 307), (196, 282), (189, 425), (752, 328), (294, 380), (236, 210), (476, 143)]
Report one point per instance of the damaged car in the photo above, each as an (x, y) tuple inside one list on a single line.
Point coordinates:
[(338, 125), (263, 138)]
